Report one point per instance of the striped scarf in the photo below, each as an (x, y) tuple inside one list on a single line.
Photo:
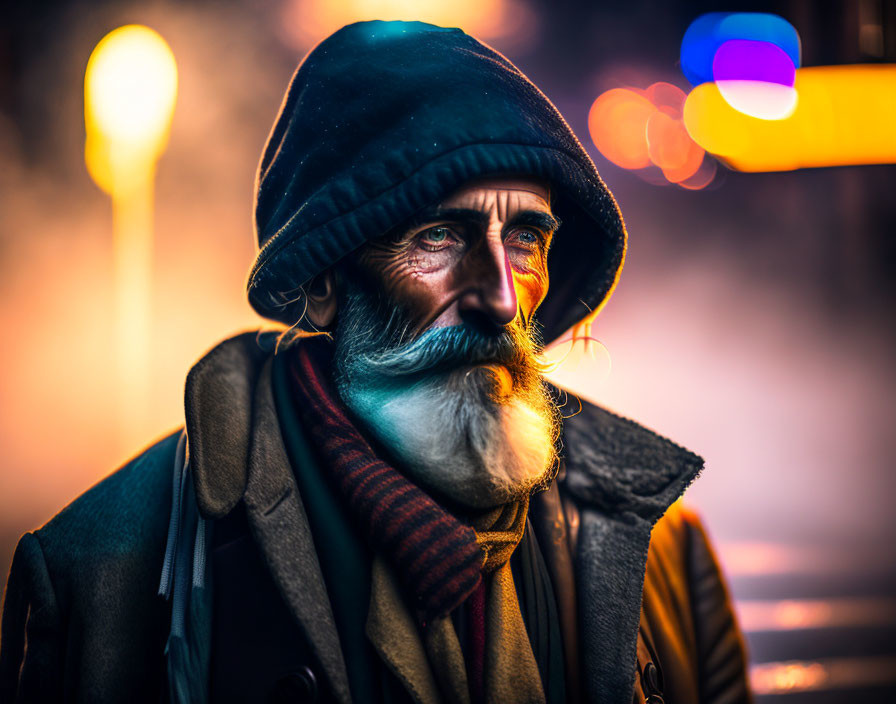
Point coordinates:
[(437, 558)]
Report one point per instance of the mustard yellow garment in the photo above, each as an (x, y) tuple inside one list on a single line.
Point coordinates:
[(428, 659)]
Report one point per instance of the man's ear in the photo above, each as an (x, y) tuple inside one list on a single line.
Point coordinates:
[(322, 304)]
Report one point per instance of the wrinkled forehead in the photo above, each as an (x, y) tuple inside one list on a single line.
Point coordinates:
[(501, 192)]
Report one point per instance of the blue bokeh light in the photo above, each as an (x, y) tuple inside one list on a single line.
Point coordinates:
[(709, 32)]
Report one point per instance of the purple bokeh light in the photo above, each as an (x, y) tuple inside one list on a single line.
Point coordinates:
[(749, 60)]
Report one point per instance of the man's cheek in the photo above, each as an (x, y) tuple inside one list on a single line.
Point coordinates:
[(418, 295)]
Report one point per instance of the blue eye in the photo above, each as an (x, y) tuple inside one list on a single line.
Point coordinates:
[(437, 234), (527, 237), (435, 239)]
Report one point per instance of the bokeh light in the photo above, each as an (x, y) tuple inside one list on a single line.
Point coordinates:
[(637, 129), (844, 116), (788, 677), (671, 148), (130, 88), (308, 21), (708, 33), (617, 122), (703, 176), (747, 60), (756, 78), (764, 101)]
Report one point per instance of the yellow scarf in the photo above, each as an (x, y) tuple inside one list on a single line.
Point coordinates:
[(428, 659)]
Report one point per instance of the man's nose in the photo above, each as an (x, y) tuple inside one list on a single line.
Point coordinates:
[(489, 297)]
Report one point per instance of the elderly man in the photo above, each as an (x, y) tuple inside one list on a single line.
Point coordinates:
[(387, 502)]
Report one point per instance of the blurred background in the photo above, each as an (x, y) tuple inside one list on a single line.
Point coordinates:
[(753, 322)]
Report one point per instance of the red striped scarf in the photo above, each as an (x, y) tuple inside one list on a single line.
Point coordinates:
[(435, 555)]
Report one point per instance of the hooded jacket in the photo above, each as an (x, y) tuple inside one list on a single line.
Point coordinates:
[(83, 621)]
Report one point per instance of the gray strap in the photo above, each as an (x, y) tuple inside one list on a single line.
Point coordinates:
[(185, 581)]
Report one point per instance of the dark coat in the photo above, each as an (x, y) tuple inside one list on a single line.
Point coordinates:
[(82, 620)]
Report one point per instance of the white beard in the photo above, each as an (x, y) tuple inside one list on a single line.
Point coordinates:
[(465, 435)]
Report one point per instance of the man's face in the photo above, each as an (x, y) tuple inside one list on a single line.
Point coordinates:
[(435, 345), (479, 258)]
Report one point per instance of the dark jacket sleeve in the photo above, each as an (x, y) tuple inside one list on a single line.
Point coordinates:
[(31, 637), (721, 653)]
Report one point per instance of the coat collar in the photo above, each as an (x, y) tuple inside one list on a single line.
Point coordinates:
[(624, 478), (618, 466), (218, 402)]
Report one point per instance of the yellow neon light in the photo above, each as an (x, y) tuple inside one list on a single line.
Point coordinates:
[(130, 88), (844, 115)]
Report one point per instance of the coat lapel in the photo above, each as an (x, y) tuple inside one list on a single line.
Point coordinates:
[(624, 477), (231, 412), (280, 528)]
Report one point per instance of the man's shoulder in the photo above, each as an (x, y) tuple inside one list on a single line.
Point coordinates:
[(124, 516)]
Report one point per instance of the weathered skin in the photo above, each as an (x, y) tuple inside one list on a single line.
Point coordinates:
[(479, 257)]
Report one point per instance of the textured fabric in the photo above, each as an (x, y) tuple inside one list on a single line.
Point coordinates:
[(430, 660), (392, 630), (186, 582), (279, 526), (82, 621), (511, 672), (499, 664), (344, 559), (630, 475), (684, 592), (218, 392), (475, 640), (81, 617), (437, 557), (538, 606), (551, 526), (382, 119), (499, 531)]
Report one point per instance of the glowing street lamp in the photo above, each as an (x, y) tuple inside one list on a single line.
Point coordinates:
[(130, 88)]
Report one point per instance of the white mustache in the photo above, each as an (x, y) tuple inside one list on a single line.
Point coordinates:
[(445, 348)]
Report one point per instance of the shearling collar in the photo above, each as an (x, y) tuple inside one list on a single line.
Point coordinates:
[(619, 466), (612, 463)]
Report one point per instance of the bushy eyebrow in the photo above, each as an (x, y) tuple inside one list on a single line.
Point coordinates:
[(535, 218), (525, 218)]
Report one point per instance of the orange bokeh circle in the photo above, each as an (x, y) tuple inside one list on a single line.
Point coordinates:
[(617, 122)]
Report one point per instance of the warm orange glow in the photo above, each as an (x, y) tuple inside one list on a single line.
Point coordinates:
[(671, 148), (777, 678), (577, 355), (130, 88), (307, 21), (636, 129), (824, 675), (803, 614), (703, 176), (618, 125), (844, 115)]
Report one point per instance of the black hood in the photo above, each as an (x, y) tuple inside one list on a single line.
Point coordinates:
[(382, 119)]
